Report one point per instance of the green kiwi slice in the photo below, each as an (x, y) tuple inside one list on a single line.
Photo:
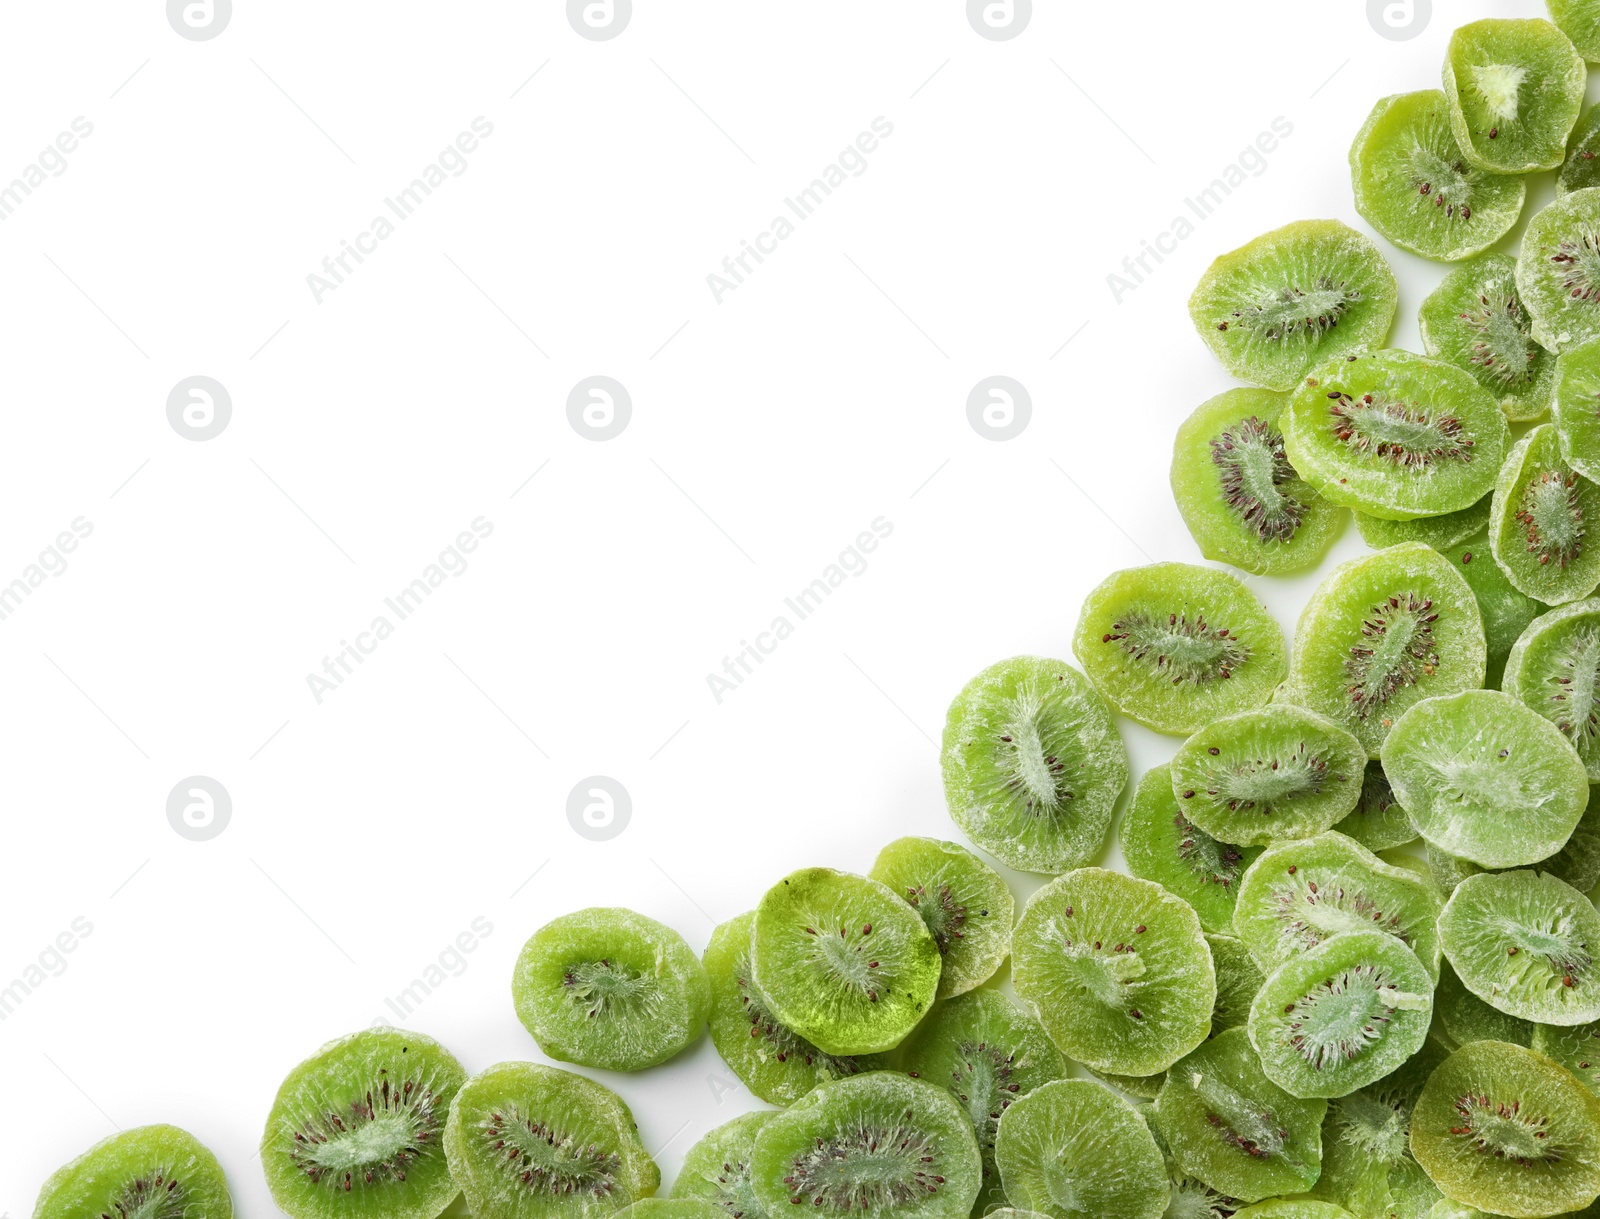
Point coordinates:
[(1174, 646), (1342, 1015), (1378, 822), (1581, 169), (1239, 980), (357, 1129), (526, 1141), (1558, 271), (1395, 435), (1415, 186), (1515, 88), (607, 987), (1541, 519), (1233, 1128), (1380, 634), (1465, 1018), (1577, 407), (1504, 609), (1161, 844), (1576, 1047), (1475, 321), (1268, 775), (1241, 499), (1293, 297), (1486, 778), (151, 1172), (1298, 894), (1441, 532), (985, 1051), (718, 1169), (1072, 1148), (966, 905), (1117, 969), (1033, 765), (876, 1145), (1525, 943), (1554, 669), (842, 961), (1506, 1130)]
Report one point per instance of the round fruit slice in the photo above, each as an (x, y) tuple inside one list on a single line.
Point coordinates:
[(985, 1051), (1441, 532), (1515, 89), (358, 1129), (155, 1171), (773, 1061), (878, 1145), (965, 904), (606, 987), (1239, 980), (1074, 1148), (1475, 321), (1558, 271), (1579, 20), (526, 1141), (1162, 845), (1485, 778), (1554, 669), (1341, 1016), (1378, 822), (1175, 646), (1299, 894), (1577, 407), (1233, 1128), (1465, 1018), (1117, 969), (1524, 943), (1504, 609), (1507, 1130), (1380, 634), (1540, 522), (1267, 775), (1395, 435), (717, 1169), (1240, 497), (1292, 297), (1033, 764), (842, 961), (1577, 1048), (1414, 185), (1581, 169)]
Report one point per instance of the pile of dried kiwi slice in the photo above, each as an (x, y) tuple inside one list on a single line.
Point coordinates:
[(1353, 968)]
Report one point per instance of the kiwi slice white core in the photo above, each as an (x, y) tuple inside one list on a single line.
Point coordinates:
[(1189, 652), (1407, 434), (1504, 348), (1338, 1019), (1374, 1126), (375, 1137), (1248, 1126), (867, 1169), (1293, 311), (1553, 516), (1252, 469), (1507, 1132), (1498, 84), (547, 1160), (1396, 649), (1578, 258), (159, 1195)]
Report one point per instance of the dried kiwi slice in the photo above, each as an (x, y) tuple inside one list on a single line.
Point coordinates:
[(966, 905), (1298, 894), (1160, 844), (1485, 778), (878, 1145), (1239, 980), (1267, 775), (718, 1170), (1073, 1148), (1342, 1015), (1515, 89), (1238, 494), (1117, 970), (842, 961), (1292, 297), (1033, 764), (357, 1130), (159, 1172), (1175, 646), (1507, 1130), (985, 1051), (607, 987), (1554, 668), (1378, 822), (1475, 321), (1441, 532), (1465, 1018), (1395, 435), (1504, 609), (1525, 943), (1577, 407), (1576, 1047), (1380, 634), (1233, 1128), (1558, 271), (1415, 186), (1581, 169), (526, 1141), (1540, 523), (773, 1061)]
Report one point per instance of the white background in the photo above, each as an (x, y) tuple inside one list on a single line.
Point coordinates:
[(368, 430)]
